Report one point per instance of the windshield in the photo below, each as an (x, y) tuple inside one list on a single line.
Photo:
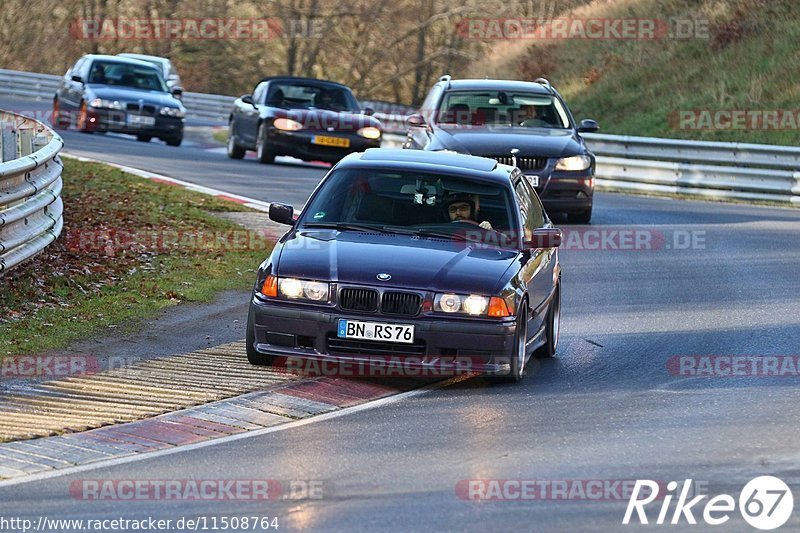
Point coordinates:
[(127, 75), (515, 109), (310, 96), (409, 202)]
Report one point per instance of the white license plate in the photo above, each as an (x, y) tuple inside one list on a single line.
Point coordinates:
[(533, 180), (141, 120), (375, 331)]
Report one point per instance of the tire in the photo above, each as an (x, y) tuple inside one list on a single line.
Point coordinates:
[(254, 357), (143, 138), (58, 122), (83, 119), (174, 141), (233, 150), (552, 329), (520, 342), (264, 154), (581, 217)]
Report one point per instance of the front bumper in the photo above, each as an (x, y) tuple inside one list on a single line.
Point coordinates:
[(566, 194), (118, 122), (299, 144), (444, 345)]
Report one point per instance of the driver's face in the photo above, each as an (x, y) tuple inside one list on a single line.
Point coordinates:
[(459, 211)]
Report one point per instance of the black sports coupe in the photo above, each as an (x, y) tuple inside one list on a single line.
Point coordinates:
[(310, 119), (428, 260), (520, 123)]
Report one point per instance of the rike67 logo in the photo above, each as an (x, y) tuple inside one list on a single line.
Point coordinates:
[(765, 503)]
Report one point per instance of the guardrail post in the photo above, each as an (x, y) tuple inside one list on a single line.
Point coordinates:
[(9, 144), (25, 142)]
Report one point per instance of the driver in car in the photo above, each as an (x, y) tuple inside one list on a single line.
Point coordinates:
[(462, 207), (530, 117)]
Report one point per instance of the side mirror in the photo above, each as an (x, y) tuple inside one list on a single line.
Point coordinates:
[(281, 213), (416, 120), (177, 92), (77, 79), (588, 125), (248, 99), (368, 111), (544, 238)]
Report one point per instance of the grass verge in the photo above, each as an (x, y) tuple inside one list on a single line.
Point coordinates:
[(130, 247), (737, 55), (221, 136)]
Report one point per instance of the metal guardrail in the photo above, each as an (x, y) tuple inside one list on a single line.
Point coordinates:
[(714, 170), (31, 210)]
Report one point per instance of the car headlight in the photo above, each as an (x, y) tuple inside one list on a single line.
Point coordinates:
[(298, 289), (99, 103), (287, 124), (471, 304), (370, 132), (574, 163), (172, 112)]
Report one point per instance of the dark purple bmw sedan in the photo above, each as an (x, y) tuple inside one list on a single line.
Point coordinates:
[(436, 260)]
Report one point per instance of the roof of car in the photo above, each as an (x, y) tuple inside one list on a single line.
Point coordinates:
[(121, 59), (148, 57), (300, 78), (468, 165), (494, 85)]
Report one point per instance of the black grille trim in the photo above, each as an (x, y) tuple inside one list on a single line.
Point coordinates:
[(523, 163), (335, 345), (352, 299), (400, 303)]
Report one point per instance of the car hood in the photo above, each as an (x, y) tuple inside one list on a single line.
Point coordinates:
[(499, 140), (323, 119), (413, 263), (127, 94)]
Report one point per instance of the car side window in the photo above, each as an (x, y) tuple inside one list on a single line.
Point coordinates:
[(535, 209), (430, 105), (76, 68), (258, 93)]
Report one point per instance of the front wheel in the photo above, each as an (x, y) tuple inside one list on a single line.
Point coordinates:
[(174, 141), (264, 154), (233, 150), (83, 119), (58, 122), (552, 328), (520, 347), (253, 356)]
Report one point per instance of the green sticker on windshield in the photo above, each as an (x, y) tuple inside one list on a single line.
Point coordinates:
[(319, 215)]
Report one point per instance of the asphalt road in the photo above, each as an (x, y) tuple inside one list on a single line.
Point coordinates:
[(609, 407)]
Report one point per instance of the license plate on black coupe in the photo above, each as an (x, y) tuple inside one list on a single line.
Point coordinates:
[(375, 331)]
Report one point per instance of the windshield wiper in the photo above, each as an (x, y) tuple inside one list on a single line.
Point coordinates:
[(421, 232), (345, 226)]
